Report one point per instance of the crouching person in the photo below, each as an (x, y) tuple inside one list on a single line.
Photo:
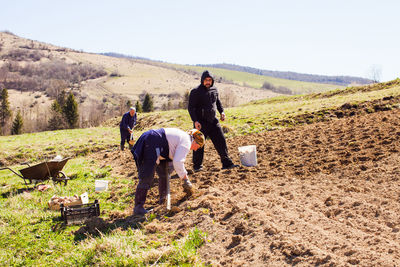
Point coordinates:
[(152, 152)]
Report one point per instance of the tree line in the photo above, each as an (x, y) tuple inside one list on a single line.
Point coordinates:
[(64, 114)]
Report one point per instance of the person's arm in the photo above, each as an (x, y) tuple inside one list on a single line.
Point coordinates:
[(220, 108), (179, 161), (192, 106), (125, 122), (219, 104)]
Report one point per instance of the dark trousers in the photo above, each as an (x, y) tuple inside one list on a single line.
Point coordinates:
[(146, 182), (125, 136), (214, 132)]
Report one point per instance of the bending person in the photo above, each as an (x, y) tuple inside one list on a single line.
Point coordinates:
[(152, 152)]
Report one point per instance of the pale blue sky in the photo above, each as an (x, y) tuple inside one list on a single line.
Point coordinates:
[(342, 37)]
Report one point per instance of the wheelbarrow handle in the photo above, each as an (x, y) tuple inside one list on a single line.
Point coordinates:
[(6, 168), (25, 163)]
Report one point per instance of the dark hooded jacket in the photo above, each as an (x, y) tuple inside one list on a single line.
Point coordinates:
[(204, 102)]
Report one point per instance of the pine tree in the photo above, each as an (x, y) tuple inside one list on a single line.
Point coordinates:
[(70, 110), (138, 107), (17, 124), (61, 98), (148, 103), (56, 121), (5, 112)]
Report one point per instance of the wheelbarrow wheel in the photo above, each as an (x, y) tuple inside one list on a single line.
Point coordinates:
[(61, 178)]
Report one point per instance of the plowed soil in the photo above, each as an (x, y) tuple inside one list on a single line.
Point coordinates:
[(322, 194)]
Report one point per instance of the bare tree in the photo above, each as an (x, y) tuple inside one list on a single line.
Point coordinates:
[(228, 98), (375, 73)]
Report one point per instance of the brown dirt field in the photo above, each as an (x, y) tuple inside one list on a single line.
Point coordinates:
[(322, 194)]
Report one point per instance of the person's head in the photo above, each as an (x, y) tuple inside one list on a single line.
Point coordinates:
[(206, 79), (132, 111), (197, 138)]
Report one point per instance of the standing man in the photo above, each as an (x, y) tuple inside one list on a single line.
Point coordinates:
[(126, 126), (203, 103), (152, 152)]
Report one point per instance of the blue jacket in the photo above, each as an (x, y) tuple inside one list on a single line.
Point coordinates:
[(147, 149), (127, 121)]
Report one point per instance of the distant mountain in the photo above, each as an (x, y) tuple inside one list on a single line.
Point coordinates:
[(118, 55), (289, 75)]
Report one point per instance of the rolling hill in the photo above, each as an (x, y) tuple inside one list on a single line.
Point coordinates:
[(289, 75), (34, 73)]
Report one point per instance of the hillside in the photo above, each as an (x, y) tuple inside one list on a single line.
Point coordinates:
[(244, 78), (257, 81), (324, 191), (269, 114), (35, 73), (289, 75)]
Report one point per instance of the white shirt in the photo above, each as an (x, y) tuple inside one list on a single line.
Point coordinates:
[(179, 146)]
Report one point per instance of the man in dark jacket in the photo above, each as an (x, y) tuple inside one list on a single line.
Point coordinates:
[(203, 104), (126, 125)]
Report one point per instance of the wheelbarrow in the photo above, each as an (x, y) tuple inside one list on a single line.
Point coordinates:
[(49, 170)]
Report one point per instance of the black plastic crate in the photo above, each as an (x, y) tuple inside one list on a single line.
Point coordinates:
[(79, 213)]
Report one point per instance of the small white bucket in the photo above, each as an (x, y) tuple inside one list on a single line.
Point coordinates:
[(248, 155), (100, 185)]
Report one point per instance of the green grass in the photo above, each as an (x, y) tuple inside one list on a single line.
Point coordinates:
[(45, 145), (256, 81), (261, 116), (31, 234)]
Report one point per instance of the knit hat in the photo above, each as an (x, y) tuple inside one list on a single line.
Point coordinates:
[(206, 74), (198, 137)]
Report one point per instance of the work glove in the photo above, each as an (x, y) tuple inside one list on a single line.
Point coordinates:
[(187, 186)]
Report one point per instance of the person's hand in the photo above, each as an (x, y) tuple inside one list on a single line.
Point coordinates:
[(197, 125), (184, 178), (222, 116), (130, 131)]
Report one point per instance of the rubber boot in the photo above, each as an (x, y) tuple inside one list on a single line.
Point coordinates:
[(140, 199), (163, 173)]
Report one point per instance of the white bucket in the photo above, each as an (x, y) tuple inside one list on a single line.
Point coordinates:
[(100, 185), (248, 155)]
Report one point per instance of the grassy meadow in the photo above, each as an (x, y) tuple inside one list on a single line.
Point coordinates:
[(31, 234), (256, 81)]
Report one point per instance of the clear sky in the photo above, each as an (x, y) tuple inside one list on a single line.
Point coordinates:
[(336, 37)]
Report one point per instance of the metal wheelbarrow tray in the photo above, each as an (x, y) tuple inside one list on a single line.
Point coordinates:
[(42, 172)]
